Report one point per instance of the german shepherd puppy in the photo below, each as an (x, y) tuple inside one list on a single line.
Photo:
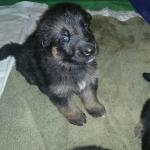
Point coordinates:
[(143, 128), (59, 57)]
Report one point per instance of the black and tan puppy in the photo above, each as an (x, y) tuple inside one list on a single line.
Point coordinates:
[(59, 57), (143, 128)]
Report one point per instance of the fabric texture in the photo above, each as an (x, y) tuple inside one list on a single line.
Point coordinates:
[(143, 7), (17, 22)]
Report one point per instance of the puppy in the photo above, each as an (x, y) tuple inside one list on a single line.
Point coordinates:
[(143, 129), (59, 57), (89, 148)]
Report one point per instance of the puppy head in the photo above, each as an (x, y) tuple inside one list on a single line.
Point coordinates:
[(67, 27)]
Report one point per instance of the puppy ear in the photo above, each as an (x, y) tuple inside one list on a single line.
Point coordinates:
[(88, 16)]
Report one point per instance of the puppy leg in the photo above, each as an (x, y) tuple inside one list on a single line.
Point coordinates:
[(146, 76), (90, 101), (69, 110)]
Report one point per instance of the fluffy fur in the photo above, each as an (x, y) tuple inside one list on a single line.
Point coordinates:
[(145, 120), (143, 128), (59, 57), (146, 76)]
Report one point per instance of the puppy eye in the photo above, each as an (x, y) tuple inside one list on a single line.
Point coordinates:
[(65, 36)]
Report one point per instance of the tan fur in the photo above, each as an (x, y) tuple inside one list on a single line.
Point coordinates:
[(56, 54), (72, 113)]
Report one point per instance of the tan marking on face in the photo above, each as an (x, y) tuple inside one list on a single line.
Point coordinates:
[(56, 54)]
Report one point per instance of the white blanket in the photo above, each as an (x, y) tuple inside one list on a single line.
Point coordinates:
[(16, 22), (19, 20)]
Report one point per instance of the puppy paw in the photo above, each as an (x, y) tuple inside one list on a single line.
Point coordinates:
[(97, 110), (77, 118), (138, 130), (146, 76)]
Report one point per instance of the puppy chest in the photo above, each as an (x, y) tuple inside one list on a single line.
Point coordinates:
[(82, 84), (89, 79), (71, 85)]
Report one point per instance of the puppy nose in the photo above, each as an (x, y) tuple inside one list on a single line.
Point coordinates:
[(90, 50)]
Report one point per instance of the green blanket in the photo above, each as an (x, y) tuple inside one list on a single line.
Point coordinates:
[(88, 4), (29, 121)]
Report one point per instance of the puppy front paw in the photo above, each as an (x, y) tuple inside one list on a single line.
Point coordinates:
[(97, 110), (77, 118)]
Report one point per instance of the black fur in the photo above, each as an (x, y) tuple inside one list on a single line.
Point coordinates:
[(89, 148), (145, 119), (145, 131), (59, 57), (9, 50), (146, 76)]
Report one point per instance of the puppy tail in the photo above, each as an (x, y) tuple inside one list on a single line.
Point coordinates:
[(11, 49)]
